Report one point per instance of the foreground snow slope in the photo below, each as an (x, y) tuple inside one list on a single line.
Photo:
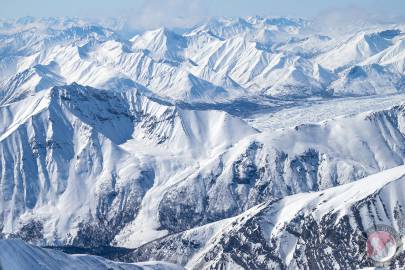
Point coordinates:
[(319, 230), (18, 255)]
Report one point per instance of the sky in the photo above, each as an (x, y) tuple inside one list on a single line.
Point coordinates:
[(179, 13)]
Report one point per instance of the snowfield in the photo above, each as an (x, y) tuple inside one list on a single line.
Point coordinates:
[(310, 111), (18, 255)]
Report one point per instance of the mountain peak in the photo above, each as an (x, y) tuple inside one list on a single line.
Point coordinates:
[(162, 43)]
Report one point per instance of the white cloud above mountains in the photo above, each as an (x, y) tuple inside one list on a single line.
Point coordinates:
[(173, 13)]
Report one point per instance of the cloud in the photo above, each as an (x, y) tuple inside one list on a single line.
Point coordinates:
[(169, 13), (340, 20), (348, 19)]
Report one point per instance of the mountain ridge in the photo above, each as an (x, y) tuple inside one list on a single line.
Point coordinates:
[(184, 66)]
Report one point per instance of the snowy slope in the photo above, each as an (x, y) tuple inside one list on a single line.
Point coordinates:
[(17, 255), (74, 166), (291, 233), (275, 164)]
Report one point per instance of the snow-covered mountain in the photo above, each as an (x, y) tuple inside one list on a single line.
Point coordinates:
[(18, 255), (196, 147), (87, 166), (222, 60), (318, 230)]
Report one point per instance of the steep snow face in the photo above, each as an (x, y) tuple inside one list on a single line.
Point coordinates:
[(161, 44), (219, 61), (51, 154), (71, 154), (314, 231), (319, 230), (28, 82), (367, 80), (17, 255), (357, 48)]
